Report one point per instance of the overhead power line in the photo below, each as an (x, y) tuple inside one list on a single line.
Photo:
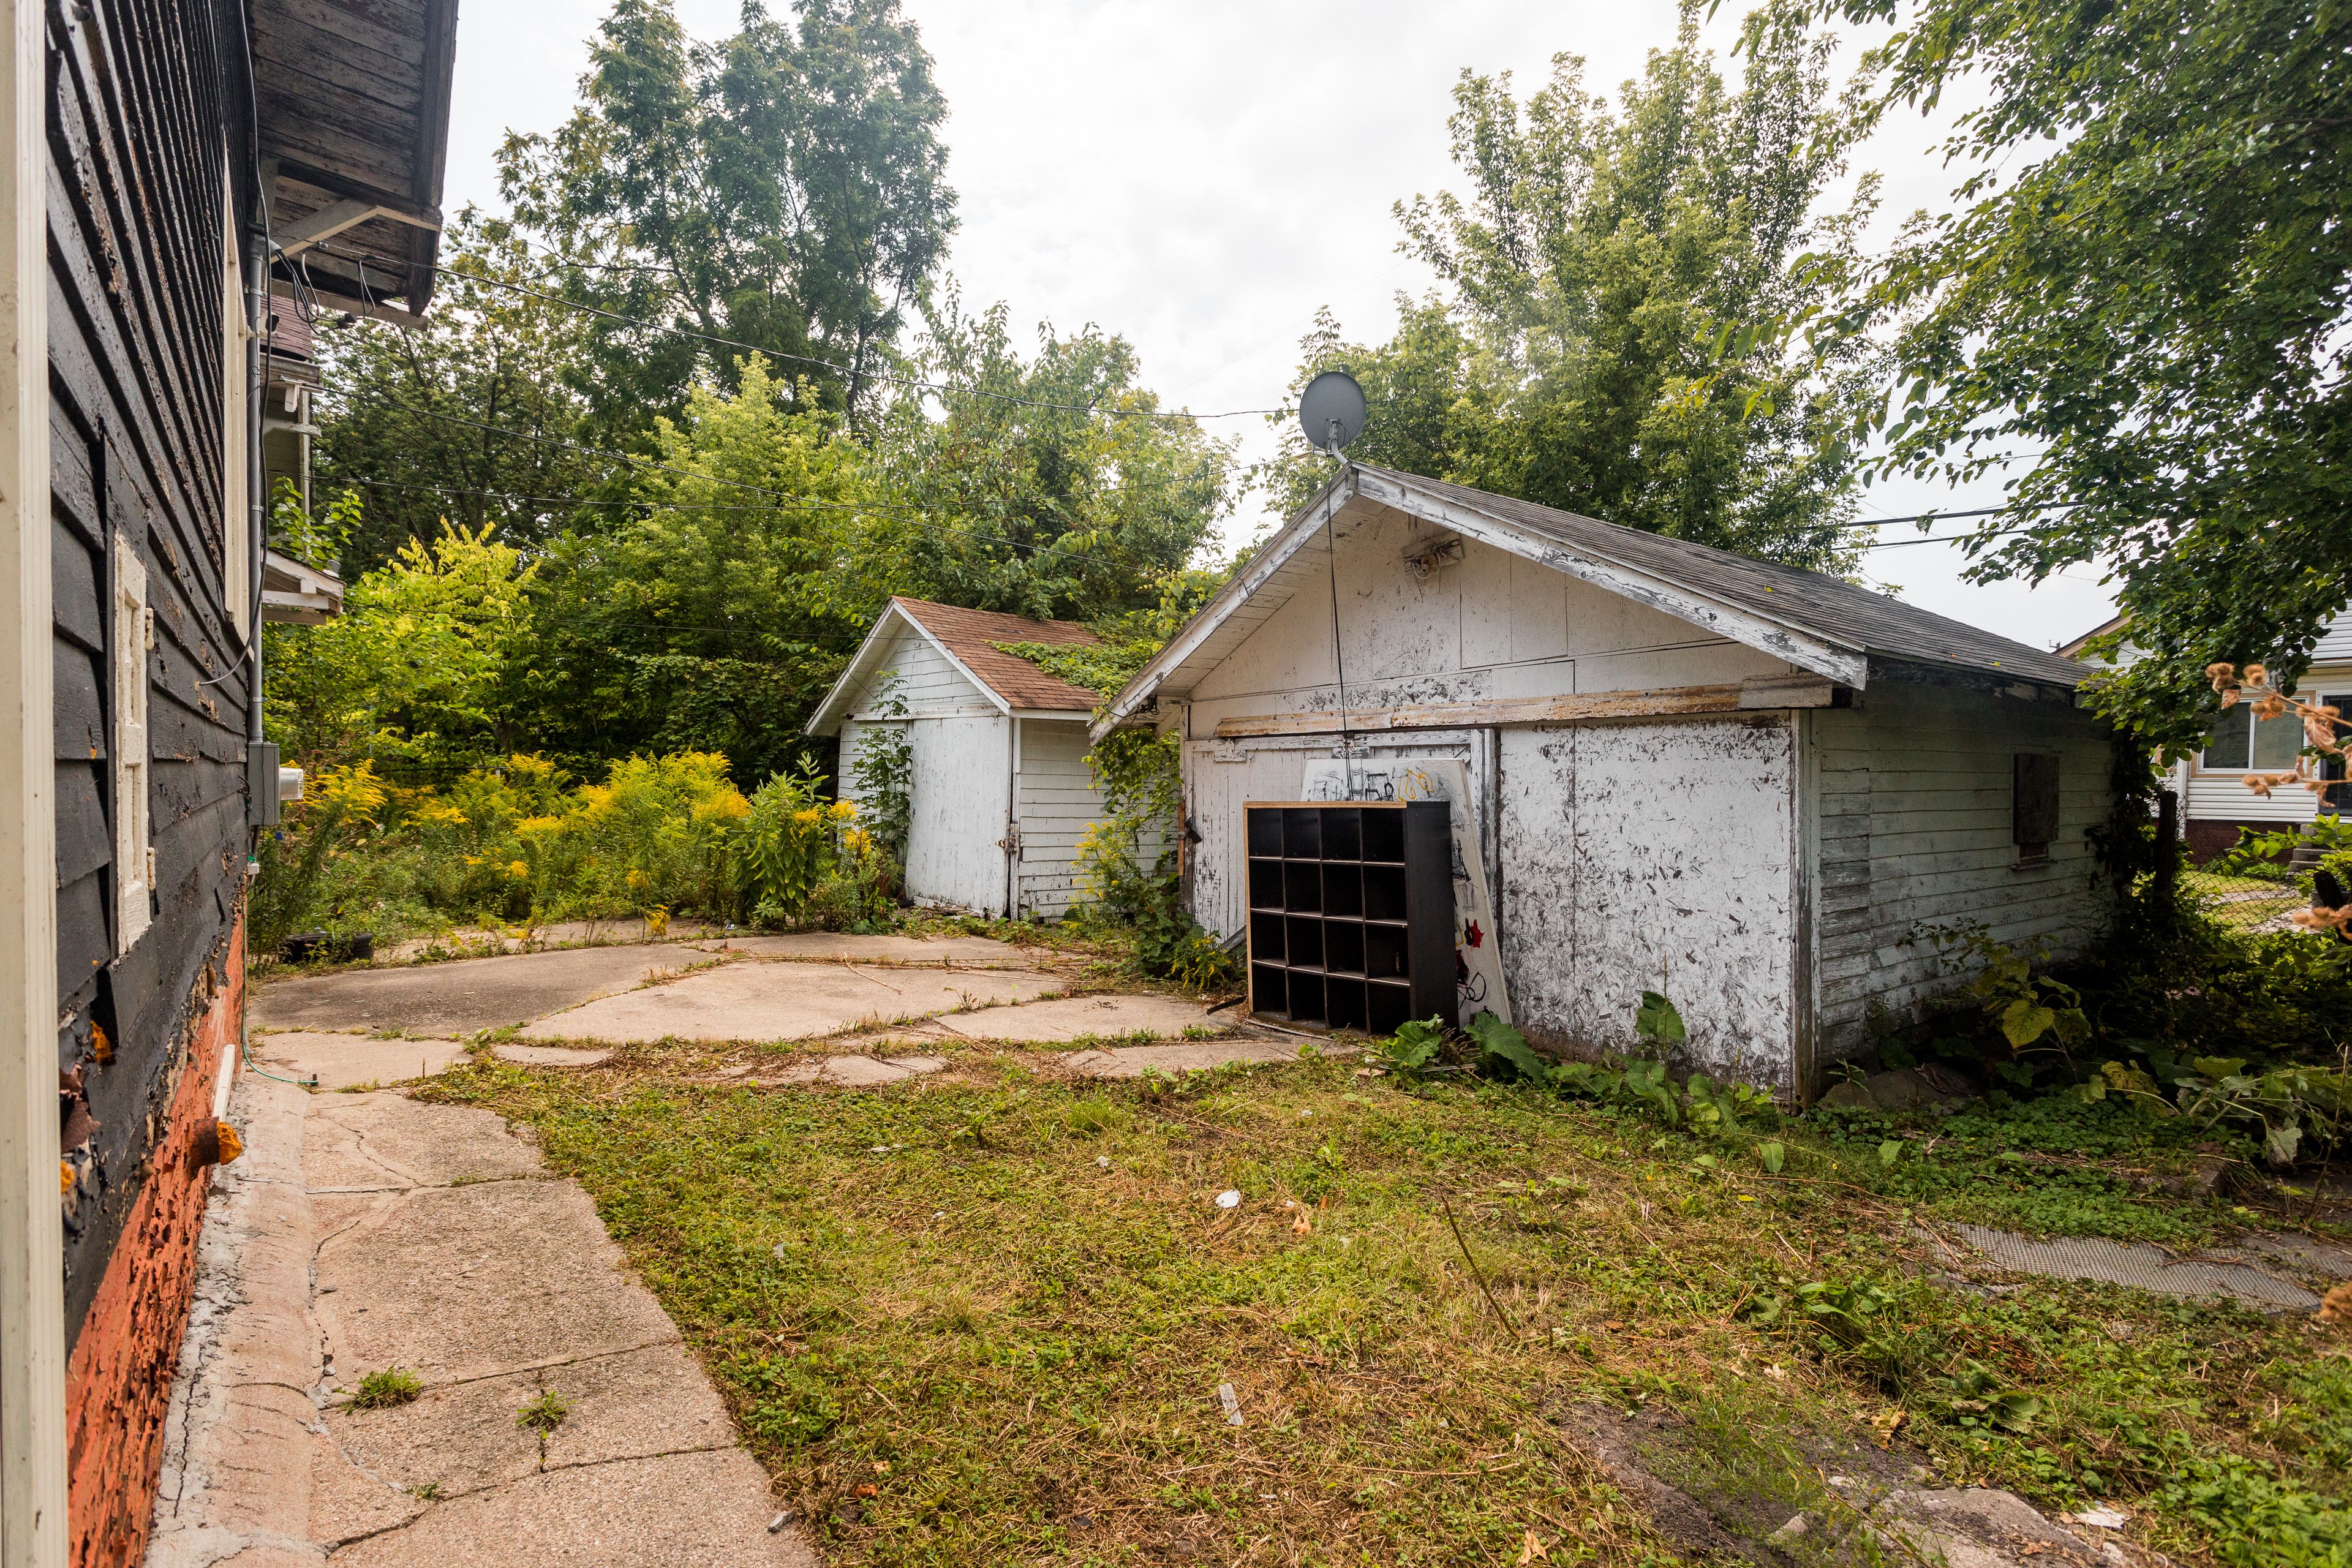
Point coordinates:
[(942, 388)]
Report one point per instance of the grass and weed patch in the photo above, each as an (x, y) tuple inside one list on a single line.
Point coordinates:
[(986, 1320)]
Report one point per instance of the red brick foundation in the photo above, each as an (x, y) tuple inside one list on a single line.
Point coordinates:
[(2207, 837), (118, 1379)]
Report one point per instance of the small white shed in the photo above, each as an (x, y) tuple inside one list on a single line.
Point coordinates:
[(1001, 792), (1741, 783)]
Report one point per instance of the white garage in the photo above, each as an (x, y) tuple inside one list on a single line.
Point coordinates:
[(1747, 785)]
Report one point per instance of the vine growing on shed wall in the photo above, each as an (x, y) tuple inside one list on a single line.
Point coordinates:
[(884, 772)]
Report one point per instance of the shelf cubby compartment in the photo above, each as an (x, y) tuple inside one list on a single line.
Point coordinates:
[(1265, 936), (1305, 996), (1389, 1006), (1343, 890), (1343, 947), (1265, 836), (1269, 985), (1350, 922), (1302, 833), (1343, 833), (1303, 942)]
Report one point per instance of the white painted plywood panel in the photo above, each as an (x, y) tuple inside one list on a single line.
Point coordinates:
[(1685, 882), (958, 805)]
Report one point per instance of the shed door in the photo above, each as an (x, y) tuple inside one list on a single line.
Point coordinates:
[(958, 810)]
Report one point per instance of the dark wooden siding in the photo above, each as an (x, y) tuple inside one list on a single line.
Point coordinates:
[(146, 101)]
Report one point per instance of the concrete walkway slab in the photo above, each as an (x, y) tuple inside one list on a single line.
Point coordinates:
[(386, 1141), (466, 1264), (551, 1057), (822, 944), (680, 1508), (460, 997), (755, 1002), (1134, 1061), (1069, 1018), (351, 1061), (859, 1072), (456, 1282), (2228, 1276)]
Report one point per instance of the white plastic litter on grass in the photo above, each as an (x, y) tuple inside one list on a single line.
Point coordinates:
[(1231, 1402), (1229, 1199)]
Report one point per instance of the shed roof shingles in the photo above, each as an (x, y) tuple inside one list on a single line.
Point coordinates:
[(972, 636)]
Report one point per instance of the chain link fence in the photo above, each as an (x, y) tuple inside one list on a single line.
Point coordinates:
[(2244, 903)]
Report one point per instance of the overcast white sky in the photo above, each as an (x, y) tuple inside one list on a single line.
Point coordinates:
[(1200, 178)]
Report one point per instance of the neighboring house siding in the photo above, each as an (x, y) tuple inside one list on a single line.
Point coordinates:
[(1058, 802), (1915, 797), (2221, 796)]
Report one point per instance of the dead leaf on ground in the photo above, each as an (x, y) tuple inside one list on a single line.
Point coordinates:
[(1531, 1549)]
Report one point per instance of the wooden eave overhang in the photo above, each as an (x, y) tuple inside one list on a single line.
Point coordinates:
[(353, 102), (296, 591)]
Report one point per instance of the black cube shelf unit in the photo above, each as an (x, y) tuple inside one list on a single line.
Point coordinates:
[(1352, 913)]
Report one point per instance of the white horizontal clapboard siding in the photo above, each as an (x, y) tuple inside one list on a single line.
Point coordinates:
[(1916, 832), (1058, 803)]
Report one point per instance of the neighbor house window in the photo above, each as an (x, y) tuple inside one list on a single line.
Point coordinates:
[(2240, 742)]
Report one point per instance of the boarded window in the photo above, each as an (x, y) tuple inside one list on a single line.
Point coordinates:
[(2037, 803), (133, 633)]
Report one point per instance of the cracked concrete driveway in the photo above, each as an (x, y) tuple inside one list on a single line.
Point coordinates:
[(360, 1232), (364, 1231)]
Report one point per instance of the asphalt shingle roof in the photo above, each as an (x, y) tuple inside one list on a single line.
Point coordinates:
[(971, 636)]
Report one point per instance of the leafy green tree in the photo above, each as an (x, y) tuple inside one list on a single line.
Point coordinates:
[(2143, 299), (1621, 282), (783, 189), (1056, 488), (413, 676), (458, 418), (716, 616)]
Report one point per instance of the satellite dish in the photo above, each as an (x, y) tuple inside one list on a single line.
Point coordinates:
[(1331, 411)]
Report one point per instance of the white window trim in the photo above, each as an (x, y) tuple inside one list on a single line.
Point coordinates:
[(132, 634)]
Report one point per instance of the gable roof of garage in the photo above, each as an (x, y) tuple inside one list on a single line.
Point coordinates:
[(1814, 621), (969, 639)]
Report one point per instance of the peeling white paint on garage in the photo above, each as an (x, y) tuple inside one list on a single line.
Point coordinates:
[(1740, 784)]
